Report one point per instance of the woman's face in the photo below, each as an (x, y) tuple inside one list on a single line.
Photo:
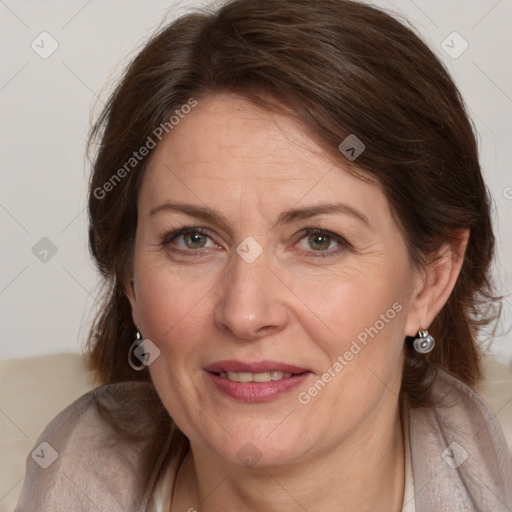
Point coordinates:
[(257, 256)]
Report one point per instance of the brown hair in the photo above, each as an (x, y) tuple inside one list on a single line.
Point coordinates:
[(342, 67)]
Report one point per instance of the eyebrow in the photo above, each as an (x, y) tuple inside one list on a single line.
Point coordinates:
[(201, 212), (286, 217), (295, 214)]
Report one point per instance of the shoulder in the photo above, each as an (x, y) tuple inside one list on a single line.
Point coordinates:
[(458, 449), (104, 450), (126, 411), (496, 389)]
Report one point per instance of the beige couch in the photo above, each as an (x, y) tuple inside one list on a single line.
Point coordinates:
[(34, 390)]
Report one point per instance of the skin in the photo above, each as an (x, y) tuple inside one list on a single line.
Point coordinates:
[(344, 449)]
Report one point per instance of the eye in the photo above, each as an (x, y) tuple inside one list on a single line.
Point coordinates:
[(323, 242), (189, 239), (194, 240), (319, 241)]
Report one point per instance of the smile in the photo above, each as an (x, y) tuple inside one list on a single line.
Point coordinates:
[(255, 377), (255, 381)]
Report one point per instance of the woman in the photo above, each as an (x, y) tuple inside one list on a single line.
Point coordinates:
[(289, 214)]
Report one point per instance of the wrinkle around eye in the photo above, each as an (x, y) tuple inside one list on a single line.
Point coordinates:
[(341, 245), (184, 245)]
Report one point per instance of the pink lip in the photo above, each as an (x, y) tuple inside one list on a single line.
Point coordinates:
[(255, 391), (255, 367)]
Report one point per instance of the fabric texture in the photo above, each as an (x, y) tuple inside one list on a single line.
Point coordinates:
[(460, 458), (111, 445), (161, 497), (114, 443)]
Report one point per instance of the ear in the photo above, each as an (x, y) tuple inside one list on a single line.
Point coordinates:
[(129, 290), (435, 282)]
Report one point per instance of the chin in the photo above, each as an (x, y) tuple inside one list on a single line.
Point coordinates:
[(253, 443)]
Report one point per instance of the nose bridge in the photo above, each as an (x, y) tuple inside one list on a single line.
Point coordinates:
[(251, 303)]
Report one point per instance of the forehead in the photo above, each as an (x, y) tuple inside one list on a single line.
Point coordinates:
[(227, 149), (227, 128)]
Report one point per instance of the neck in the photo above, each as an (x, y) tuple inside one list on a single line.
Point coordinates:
[(363, 473)]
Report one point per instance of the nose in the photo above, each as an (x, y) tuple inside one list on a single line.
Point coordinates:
[(251, 303)]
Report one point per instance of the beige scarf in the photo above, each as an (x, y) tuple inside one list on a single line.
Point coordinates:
[(114, 442)]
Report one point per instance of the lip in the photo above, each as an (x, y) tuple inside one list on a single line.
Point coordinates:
[(255, 391), (254, 367)]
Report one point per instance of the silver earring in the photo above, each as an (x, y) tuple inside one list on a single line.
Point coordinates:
[(137, 342), (424, 342)]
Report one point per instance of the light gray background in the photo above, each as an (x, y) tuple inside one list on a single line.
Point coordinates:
[(46, 106)]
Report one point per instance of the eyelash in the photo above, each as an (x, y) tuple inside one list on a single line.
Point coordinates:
[(342, 242), (173, 235), (343, 245)]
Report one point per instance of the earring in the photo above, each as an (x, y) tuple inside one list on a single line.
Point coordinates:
[(135, 349), (424, 342)]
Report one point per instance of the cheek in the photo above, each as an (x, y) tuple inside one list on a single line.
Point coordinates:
[(170, 308), (357, 319), (360, 302), (365, 334), (358, 324), (173, 313)]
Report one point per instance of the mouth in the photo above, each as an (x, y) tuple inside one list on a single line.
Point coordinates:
[(255, 377), (255, 382)]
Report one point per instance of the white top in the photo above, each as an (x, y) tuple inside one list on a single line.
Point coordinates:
[(160, 500)]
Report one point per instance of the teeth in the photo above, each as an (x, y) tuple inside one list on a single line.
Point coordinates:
[(255, 377)]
